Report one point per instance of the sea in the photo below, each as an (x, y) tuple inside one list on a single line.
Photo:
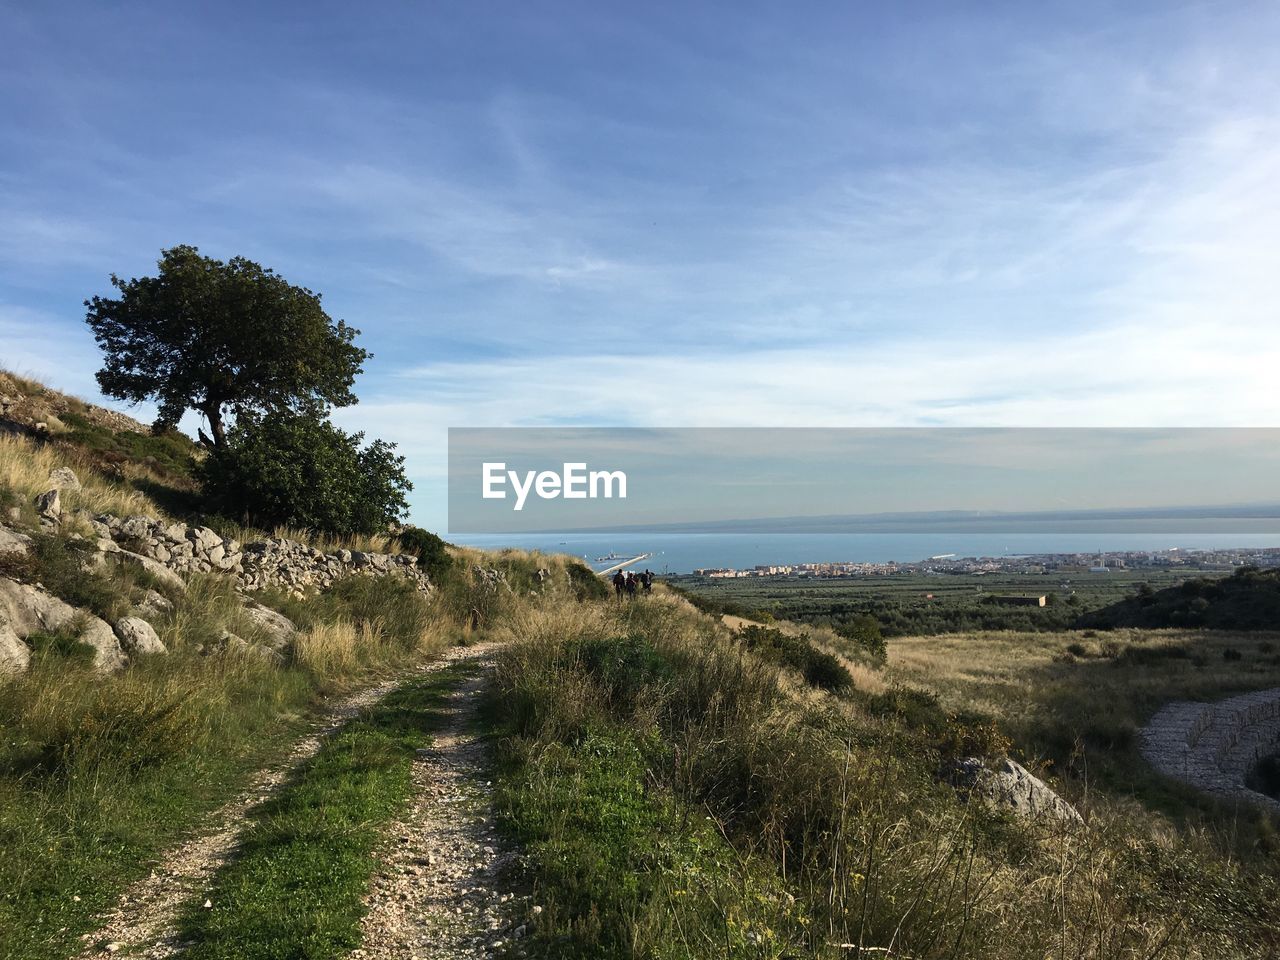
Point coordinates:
[(674, 553)]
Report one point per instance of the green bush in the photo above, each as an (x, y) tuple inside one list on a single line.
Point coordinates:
[(864, 630), (585, 582), (300, 471), (432, 552), (819, 668)]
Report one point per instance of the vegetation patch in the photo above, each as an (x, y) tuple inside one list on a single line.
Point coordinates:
[(819, 668)]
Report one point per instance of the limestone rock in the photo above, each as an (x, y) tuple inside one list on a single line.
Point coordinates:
[(1012, 787), (279, 628), (13, 542), (25, 610), (49, 505), (153, 567), (64, 478), (155, 604), (14, 655), (107, 655), (138, 637)]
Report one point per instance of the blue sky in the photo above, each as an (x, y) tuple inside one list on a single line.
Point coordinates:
[(1059, 214)]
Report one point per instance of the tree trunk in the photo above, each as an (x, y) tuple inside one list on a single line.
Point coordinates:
[(213, 413)]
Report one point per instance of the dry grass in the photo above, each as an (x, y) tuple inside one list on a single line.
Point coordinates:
[(25, 466)]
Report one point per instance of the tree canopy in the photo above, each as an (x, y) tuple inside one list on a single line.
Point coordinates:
[(297, 470), (221, 337)]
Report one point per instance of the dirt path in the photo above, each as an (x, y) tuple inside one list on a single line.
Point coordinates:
[(1213, 746), (144, 920), (438, 892)]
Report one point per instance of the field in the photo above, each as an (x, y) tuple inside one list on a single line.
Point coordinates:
[(935, 603)]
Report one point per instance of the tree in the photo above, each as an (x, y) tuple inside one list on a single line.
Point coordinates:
[(294, 469), (216, 337)]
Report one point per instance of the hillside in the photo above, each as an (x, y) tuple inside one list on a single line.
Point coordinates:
[(1247, 600), (220, 742)]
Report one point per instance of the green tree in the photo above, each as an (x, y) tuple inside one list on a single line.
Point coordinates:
[(221, 337), (298, 470)]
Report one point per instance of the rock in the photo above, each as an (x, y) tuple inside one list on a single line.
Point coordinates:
[(14, 655), (106, 545), (14, 514), (1013, 788), (64, 478), (153, 567), (279, 628), (155, 604), (136, 529), (12, 541), (49, 505), (138, 637), (107, 655)]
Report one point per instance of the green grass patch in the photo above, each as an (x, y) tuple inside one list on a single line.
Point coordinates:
[(296, 889), (623, 870)]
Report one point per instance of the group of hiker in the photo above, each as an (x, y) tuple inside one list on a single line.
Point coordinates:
[(629, 584)]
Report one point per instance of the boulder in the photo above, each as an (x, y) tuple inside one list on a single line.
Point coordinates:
[(138, 637), (155, 604), (1013, 788), (14, 655), (25, 610), (64, 478), (279, 628), (12, 541), (153, 567), (49, 505), (107, 655)]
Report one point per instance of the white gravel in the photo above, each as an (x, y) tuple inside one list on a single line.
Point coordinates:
[(440, 890)]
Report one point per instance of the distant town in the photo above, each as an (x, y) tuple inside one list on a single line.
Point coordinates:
[(1049, 563)]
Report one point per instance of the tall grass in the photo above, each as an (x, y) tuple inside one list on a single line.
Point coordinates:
[(840, 794), (25, 466)]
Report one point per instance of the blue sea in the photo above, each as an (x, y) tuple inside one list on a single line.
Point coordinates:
[(683, 553)]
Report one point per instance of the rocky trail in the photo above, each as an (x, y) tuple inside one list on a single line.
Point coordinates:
[(1213, 746), (440, 889), (435, 894)]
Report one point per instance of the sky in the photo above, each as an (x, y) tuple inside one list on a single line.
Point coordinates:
[(713, 214)]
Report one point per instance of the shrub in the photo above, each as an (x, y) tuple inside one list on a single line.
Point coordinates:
[(864, 630), (819, 668), (431, 551), (585, 582), (297, 470)]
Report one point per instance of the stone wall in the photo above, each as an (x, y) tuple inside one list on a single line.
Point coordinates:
[(275, 562)]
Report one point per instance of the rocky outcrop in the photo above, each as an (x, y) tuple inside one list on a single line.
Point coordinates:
[(138, 637), (14, 655), (13, 542), (277, 562), (64, 478), (49, 506), (278, 628), (1012, 788), (26, 609)]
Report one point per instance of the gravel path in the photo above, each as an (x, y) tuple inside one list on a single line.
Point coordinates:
[(144, 921), (439, 889), (1213, 746)]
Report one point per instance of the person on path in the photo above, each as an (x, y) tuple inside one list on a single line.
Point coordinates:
[(619, 584), (631, 585), (646, 580)]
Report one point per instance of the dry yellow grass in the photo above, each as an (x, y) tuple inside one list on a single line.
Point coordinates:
[(25, 466)]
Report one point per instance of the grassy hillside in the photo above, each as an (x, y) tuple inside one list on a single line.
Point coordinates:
[(681, 796)]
